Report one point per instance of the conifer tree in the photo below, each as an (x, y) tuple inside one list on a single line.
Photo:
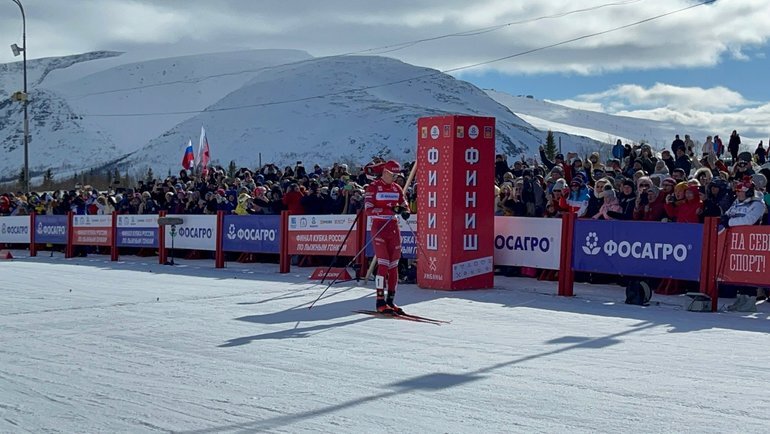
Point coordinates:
[(550, 146)]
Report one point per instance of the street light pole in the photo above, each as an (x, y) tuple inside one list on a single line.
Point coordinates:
[(25, 100)]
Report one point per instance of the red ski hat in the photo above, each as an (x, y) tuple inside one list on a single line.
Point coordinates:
[(373, 170), (392, 166), (745, 184)]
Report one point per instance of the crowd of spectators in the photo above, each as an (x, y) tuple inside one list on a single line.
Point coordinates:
[(267, 190), (685, 183)]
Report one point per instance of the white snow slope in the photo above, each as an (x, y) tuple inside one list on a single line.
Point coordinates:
[(93, 346), (105, 105), (59, 138), (603, 127)]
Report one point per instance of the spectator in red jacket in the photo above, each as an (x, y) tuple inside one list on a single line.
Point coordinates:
[(687, 211), (293, 200), (653, 208)]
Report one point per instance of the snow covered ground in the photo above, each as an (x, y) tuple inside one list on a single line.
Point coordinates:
[(93, 346)]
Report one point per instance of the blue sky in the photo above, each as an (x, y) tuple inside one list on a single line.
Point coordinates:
[(748, 77)]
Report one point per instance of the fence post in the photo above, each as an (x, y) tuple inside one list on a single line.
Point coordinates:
[(219, 256), (713, 263), (114, 247), (32, 247), (69, 249), (361, 242), (284, 265), (566, 273), (162, 253)]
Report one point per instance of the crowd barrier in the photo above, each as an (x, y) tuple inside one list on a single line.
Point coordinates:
[(689, 252)]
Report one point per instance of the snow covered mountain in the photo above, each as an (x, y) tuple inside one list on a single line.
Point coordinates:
[(336, 109), (103, 109), (59, 137), (599, 126)]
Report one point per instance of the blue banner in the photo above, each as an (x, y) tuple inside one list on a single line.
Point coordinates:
[(51, 229), (138, 237), (252, 233), (138, 231), (650, 249)]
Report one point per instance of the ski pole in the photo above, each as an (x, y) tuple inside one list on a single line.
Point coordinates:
[(334, 260), (363, 249)]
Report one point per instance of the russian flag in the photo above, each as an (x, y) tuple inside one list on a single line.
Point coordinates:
[(189, 158)]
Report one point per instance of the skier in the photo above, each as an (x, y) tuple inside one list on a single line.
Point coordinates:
[(384, 202)]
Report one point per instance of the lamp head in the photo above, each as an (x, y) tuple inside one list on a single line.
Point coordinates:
[(16, 49)]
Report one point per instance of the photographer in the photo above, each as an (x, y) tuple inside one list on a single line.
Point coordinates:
[(650, 205), (748, 207), (315, 201), (740, 170), (687, 210), (513, 205)]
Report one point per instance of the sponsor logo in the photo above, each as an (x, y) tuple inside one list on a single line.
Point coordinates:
[(636, 249), (50, 230), (386, 196), (460, 131), (447, 131), (488, 132), (473, 132), (186, 232), (250, 234), (424, 132), (592, 244), (14, 230), (434, 132), (525, 244)]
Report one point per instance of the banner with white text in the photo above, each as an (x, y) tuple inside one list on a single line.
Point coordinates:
[(528, 242)]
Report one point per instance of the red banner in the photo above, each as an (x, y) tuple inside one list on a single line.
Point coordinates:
[(334, 273), (743, 255), (92, 230), (322, 235), (455, 166)]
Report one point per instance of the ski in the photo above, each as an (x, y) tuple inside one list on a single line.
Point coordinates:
[(423, 318), (404, 316)]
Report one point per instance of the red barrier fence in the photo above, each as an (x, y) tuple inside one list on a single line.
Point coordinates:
[(738, 255)]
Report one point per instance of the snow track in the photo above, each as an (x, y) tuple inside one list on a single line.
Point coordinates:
[(138, 347)]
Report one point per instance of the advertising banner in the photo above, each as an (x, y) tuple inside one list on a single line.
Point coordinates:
[(198, 232), (15, 229), (528, 242), (408, 240), (743, 255), (628, 248), (455, 167), (92, 230), (322, 234), (252, 233), (138, 231), (51, 229)]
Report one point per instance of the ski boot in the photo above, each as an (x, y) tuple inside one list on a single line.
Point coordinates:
[(383, 307), (397, 310)]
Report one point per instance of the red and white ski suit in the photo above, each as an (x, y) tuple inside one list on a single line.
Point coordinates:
[(379, 201)]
